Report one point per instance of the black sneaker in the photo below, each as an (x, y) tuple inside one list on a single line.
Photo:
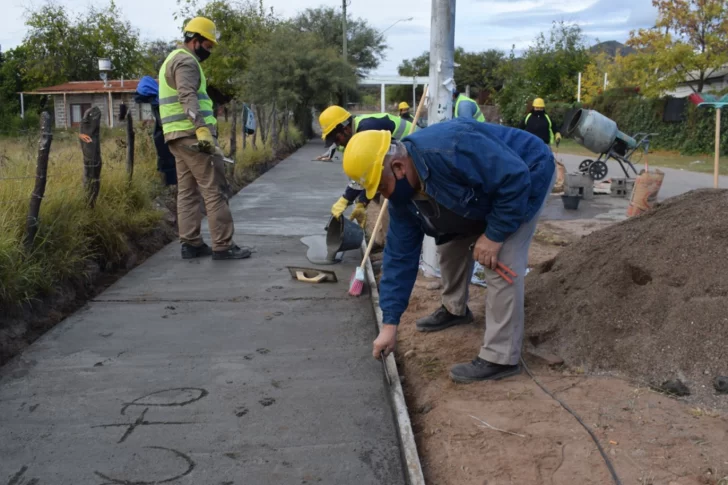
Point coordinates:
[(442, 319), (235, 252), (190, 252), (482, 370)]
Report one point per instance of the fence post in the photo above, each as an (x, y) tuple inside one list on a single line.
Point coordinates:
[(41, 170), (91, 148), (274, 131), (130, 140), (233, 130)]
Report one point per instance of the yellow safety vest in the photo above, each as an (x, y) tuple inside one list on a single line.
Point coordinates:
[(171, 111), (401, 127), (551, 130), (478, 115)]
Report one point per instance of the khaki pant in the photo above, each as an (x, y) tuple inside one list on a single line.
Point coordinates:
[(504, 313), (198, 174)]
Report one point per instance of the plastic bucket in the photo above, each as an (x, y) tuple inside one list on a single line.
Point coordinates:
[(342, 235), (571, 202)]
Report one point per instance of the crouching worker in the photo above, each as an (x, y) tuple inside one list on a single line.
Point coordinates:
[(338, 126), (478, 189)]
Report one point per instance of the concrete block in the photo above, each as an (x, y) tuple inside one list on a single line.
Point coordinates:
[(579, 184)]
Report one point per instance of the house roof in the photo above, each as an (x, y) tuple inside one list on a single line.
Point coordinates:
[(89, 87)]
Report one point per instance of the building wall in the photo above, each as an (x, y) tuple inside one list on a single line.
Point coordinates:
[(100, 100), (713, 85)]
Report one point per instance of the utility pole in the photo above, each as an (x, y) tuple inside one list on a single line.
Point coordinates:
[(343, 26), (343, 44), (442, 70)]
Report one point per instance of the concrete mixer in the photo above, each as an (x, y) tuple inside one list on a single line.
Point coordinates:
[(600, 134)]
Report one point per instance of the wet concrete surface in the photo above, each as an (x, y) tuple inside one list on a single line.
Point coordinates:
[(211, 372)]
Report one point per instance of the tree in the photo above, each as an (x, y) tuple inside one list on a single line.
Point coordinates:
[(242, 25), (365, 45), (552, 65), (688, 43), (61, 49), (306, 70), (154, 54)]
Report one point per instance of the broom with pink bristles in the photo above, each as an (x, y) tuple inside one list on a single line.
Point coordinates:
[(356, 285)]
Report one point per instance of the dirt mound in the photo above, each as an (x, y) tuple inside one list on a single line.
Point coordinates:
[(646, 297)]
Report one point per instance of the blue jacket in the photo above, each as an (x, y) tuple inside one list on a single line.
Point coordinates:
[(477, 170)]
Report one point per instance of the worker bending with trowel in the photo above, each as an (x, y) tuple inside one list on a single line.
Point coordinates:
[(189, 127), (478, 189), (337, 127)]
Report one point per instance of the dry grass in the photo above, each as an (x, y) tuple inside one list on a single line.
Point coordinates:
[(70, 233)]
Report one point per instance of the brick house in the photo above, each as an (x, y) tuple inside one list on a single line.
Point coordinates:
[(72, 99)]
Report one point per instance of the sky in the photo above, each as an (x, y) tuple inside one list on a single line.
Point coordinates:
[(479, 24)]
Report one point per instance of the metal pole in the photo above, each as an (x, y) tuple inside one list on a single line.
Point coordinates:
[(343, 25), (343, 44), (414, 92), (384, 101), (716, 166), (578, 91), (442, 69), (22, 106), (605, 81)]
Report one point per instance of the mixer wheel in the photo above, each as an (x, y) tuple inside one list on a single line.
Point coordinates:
[(584, 166), (598, 170)]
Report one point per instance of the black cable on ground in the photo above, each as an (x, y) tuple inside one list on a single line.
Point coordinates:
[(610, 466)]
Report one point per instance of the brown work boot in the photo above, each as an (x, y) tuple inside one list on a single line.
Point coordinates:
[(442, 319)]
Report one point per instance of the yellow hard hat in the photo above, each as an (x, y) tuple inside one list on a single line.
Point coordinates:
[(332, 117), (364, 158), (538, 103), (203, 26), (403, 105)]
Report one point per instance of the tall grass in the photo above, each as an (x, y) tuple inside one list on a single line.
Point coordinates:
[(71, 234)]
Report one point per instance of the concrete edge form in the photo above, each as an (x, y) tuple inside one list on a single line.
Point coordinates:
[(405, 433)]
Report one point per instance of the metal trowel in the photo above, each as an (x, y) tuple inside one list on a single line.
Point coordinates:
[(196, 148), (312, 275)]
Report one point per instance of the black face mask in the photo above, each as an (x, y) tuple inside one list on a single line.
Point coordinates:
[(402, 192), (201, 52)]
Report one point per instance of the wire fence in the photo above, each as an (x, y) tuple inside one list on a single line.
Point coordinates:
[(16, 163)]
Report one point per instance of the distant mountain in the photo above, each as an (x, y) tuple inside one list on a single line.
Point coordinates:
[(611, 47)]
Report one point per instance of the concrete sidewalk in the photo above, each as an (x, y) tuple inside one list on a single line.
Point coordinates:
[(211, 373)]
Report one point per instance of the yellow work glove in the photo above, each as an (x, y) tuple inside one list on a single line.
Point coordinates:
[(205, 140), (339, 208), (359, 214), (558, 138)]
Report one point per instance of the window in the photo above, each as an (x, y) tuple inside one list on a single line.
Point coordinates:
[(77, 111)]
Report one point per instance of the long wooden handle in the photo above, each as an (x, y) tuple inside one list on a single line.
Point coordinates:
[(385, 204), (377, 225)]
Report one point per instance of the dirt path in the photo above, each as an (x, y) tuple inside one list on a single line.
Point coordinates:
[(652, 439)]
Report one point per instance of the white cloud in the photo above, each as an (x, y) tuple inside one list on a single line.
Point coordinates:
[(480, 24)]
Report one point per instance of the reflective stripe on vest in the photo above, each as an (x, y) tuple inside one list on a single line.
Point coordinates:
[(478, 115), (401, 127), (172, 113), (551, 129)]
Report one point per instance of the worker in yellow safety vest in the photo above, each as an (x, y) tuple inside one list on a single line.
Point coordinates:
[(538, 123), (465, 107), (190, 130), (337, 127), (404, 111)]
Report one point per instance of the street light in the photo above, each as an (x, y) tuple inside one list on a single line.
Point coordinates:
[(398, 21)]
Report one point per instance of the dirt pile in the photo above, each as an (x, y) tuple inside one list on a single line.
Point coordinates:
[(647, 297)]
